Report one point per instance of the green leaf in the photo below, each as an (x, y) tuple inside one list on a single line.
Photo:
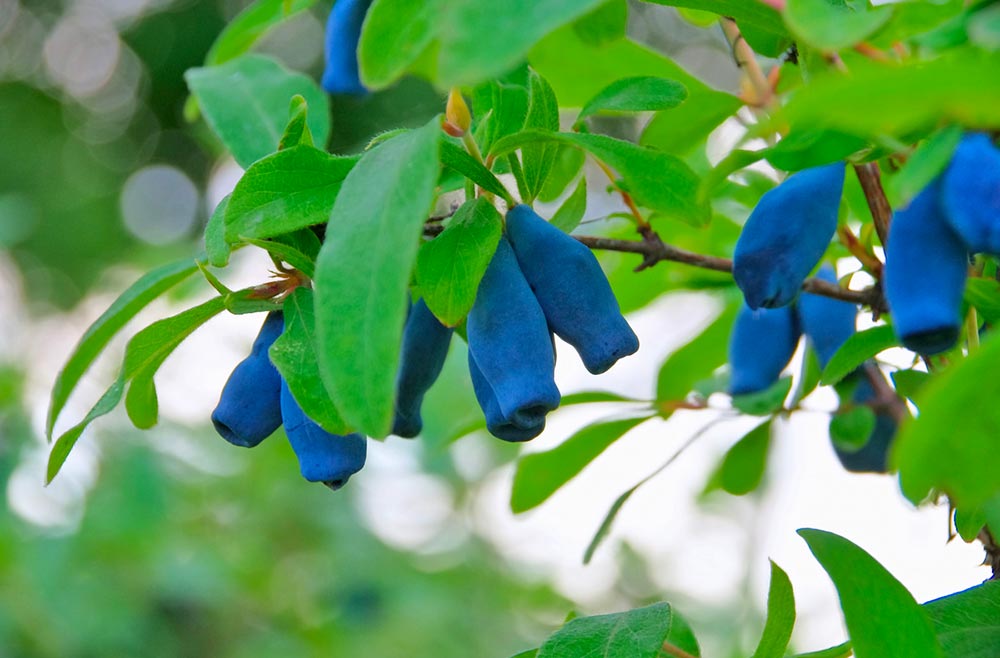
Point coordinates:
[(969, 522), (605, 24), (757, 14), (839, 651), (64, 444), (568, 163), (802, 149), (967, 623), (541, 474), (834, 24), (289, 254), (882, 617), (530, 653), (297, 130), (960, 87), (639, 94), (850, 429), (500, 107), (250, 25), (923, 166), (766, 402), (571, 211), (294, 355), (951, 446), (909, 382), (245, 102), (141, 403), (394, 35), (679, 130), (984, 294), (780, 616), (588, 397), (450, 266), (285, 191), (456, 157), (96, 338), (984, 28), (481, 40), (144, 354), (538, 158), (216, 248), (856, 350), (742, 468), (696, 360), (638, 633), (656, 180), (363, 273)]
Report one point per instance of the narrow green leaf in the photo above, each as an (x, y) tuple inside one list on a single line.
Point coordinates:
[(656, 180), (297, 130), (766, 402), (64, 444), (571, 212), (834, 24), (984, 294), (882, 617), (95, 339), (638, 94), (245, 102), (695, 360), (530, 653), (500, 107), (541, 474), (289, 254), (394, 35), (638, 633), (294, 355), (363, 273), (780, 616), (742, 468), (588, 397), (456, 157), (856, 350), (250, 25), (480, 40), (839, 651), (923, 166), (951, 446), (538, 158), (284, 192), (967, 623), (450, 266), (605, 528), (216, 248)]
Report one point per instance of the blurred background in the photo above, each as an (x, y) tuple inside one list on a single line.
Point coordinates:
[(172, 543)]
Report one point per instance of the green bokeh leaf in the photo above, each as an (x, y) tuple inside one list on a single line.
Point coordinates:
[(363, 273), (923, 166), (742, 468), (697, 359), (851, 429), (882, 617), (450, 266), (571, 212), (245, 101), (395, 34), (250, 25), (834, 24)]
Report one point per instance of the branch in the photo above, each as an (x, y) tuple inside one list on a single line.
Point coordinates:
[(871, 182), (746, 59), (675, 651)]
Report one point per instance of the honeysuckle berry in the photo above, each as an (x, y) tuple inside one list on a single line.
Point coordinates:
[(970, 193), (760, 346), (425, 348), (343, 31), (826, 322)]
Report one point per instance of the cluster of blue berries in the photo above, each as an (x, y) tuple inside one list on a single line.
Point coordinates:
[(930, 242), (781, 243), (540, 281)]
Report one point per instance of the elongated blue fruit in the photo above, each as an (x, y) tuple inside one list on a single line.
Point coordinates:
[(425, 347), (343, 31), (526, 425), (873, 456), (510, 341), (323, 457), (825, 321), (786, 235), (572, 290), (971, 193), (249, 408), (925, 268), (760, 346)]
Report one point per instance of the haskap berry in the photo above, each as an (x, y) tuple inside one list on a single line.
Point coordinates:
[(826, 322), (510, 343), (760, 346), (323, 457), (424, 350), (970, 193), (343, 32), (571, 289), (249, 408), (926, 264), (786, 235), (524, 425)]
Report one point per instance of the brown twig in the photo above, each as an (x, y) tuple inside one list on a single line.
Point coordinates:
[(871, 182), (675, 651), (746, 59)]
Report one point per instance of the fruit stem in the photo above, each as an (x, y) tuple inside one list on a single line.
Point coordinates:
[(746, 59), (871, 183), (640, 222), (972, 329)]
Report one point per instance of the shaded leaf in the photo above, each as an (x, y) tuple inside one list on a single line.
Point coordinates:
[(243, 31), (638, 94), (856, 350)]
